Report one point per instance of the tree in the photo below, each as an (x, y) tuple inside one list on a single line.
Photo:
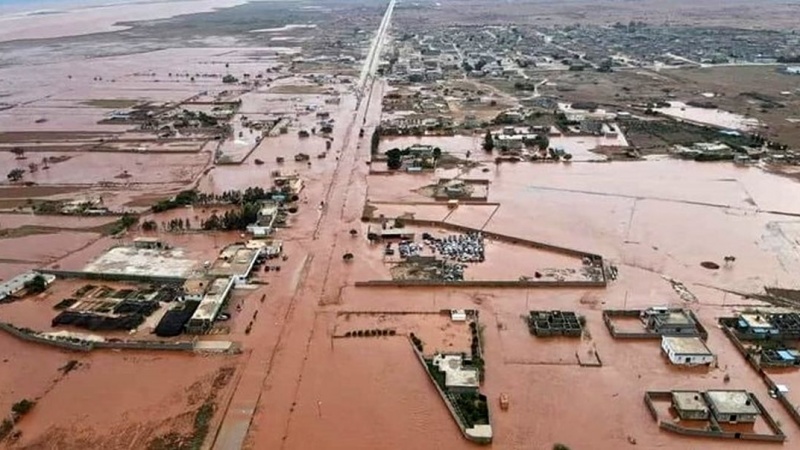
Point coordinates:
[(15, 175), (18, 152), (541, 141), (22, 407), (36, 284), (394, 158), (488, 141), (437, 153), (229, 79)]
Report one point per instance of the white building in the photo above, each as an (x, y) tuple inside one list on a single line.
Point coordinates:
[(17, 284), (205, 314), (456, 376), (686, 350)]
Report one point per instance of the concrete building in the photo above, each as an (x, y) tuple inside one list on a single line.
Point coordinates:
[(142, 264), (756, 326), (203, 318), (149, 243), (669, 322), (686, 350), (456, 376), (235, 261), (195, 288), (690, 405), (732, 406), (265, 222), (780, 357), (11, 287)]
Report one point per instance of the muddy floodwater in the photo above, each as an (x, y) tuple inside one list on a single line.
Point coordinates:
[(709, 116)]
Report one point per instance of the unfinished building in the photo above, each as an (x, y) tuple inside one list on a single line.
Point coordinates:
[(756, 326), (669, 322), (554, 323)]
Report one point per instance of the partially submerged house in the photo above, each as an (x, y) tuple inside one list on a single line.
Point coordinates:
[(690, 405), (669, 322), (686, 350), (732, 406)]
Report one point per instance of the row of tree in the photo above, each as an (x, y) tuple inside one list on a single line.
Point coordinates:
[(233, 219)]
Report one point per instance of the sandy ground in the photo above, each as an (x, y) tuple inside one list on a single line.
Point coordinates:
[(96, 18)]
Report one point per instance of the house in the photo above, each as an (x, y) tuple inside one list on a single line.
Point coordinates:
[(690, 405), (265, 221), (669, 322), (686, 350), (456, 376), (732, 406)]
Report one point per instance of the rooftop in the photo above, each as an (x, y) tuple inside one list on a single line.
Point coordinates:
[(196, 286), (213, 300), (755, 320), (14, 285), (143, 262), (675, 318), (686, 345), (234, 260), (455, 375), (689, 401), (731, 402)]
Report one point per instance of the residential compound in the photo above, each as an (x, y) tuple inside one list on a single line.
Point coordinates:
[(512, 51), (724, 406)]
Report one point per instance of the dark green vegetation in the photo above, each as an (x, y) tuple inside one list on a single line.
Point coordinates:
[(184, 198), (22, 407), (488, 141), (15, 175), (126, 221), (657, 134), (471, 407), (233, 219), (18, 410), (36, 285)]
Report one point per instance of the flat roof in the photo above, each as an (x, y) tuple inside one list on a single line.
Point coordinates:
[(196, 286), (686, 345), (142, 262), (213, 300), (755, 320), (689, 401), (455, 375), (234, 260), (16, 284), (731, 402), (678, 317)]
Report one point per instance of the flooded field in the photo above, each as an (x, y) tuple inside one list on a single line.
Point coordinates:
[(716, 117)]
